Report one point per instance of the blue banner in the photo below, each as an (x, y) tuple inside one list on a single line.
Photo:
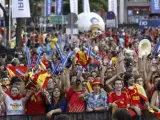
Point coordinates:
[(155, 6), (48, 7), (59, 7), (149, 23), (156, 49)]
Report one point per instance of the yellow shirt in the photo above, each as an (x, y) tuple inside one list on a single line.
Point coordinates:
[(53, 41), (12, 44), (113, 60)]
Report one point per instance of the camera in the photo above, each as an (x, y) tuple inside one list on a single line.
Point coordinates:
[(78, 81)]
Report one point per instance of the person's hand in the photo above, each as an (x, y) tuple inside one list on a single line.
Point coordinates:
[(46, 93), (49, 115), (114, 105), (29, 93), (153, 68), (89, 109), (81, 96), (138, 110)]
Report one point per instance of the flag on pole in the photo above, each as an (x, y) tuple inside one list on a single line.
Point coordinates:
[(20, 9), (74, 6), (48, 7), (112, 6), (59, 7), (86, 6), (2, 2), (156, 48)]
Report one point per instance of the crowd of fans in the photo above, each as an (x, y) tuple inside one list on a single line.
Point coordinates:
[(107, 82)]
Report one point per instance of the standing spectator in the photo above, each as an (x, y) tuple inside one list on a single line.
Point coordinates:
[(75, 104), (118, 98), (15, 103), (97, 100), (155, 101), (57, 105)]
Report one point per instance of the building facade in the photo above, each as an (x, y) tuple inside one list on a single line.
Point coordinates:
[(131, 11)]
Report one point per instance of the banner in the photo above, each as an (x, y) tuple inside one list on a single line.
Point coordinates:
[(2, 2), (112, 6), (20, 9), (86, 6), (48, 7), (59, 7), (156, 49), (155, 6), (149, 23), (74, 6)]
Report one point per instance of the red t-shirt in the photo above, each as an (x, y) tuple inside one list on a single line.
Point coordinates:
[(122, 101), (75, 104), (35, 104), (45, 62)]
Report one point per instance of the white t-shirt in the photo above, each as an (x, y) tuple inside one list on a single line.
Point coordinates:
[(96, 96), (14, 107)]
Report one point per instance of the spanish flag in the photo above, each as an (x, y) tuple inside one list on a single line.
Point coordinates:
[(42, 79), (12, 70), (83, 59), (141, 92)]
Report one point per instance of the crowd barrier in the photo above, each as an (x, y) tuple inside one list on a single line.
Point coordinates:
[(78, 116)]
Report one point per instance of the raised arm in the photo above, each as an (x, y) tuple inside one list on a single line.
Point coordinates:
[(67, 80), (2, 92), (109, 81)]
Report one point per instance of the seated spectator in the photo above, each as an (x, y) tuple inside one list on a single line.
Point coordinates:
[(97, 99)]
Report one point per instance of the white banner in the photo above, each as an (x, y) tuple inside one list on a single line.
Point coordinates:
[(86, 6), (112, 6), (20, 9), (74, 6), (3, 4)]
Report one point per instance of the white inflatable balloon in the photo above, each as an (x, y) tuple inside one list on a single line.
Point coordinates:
[(87, 20)]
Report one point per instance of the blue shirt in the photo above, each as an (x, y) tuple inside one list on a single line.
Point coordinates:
[(101, 101), (61, 104)]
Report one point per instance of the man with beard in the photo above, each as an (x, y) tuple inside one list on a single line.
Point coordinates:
[(74, 90)]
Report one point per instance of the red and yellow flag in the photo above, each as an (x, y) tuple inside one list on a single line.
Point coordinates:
[(83, 58), (12, 70), (141, 92), (42, 79)]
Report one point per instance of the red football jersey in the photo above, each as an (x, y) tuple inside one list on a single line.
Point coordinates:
[(75, 104), (35, 104), (134, 96), (122, 101)]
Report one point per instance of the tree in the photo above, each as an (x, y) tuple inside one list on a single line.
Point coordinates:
[(20, 21)]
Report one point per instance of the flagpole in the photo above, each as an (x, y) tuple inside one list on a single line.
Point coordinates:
[(10, 18)]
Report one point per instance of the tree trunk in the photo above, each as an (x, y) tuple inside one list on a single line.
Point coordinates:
[(19, 32)]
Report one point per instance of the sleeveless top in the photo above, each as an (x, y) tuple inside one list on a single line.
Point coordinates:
[(157, 102), (14, 107)]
